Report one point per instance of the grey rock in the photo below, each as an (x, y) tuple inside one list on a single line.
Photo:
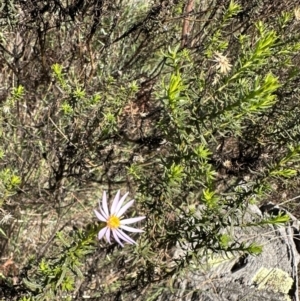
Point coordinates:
[(270, 276)]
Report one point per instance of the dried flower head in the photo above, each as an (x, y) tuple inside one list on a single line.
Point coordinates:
[(222, 63), (297, 13), (113, 219), (5, 217), (227, 164), (216, 79)]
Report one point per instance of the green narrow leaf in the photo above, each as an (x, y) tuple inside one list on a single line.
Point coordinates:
[(31, 285), (62, 277)]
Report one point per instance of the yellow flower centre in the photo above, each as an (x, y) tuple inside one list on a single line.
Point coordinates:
[(113, 222)]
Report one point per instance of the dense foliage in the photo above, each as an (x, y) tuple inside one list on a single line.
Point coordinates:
[(190, 106)]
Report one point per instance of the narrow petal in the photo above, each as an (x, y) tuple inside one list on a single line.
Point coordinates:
[(123, 209), (104, 204), (132, 220), (130, 229), (102, 233), (101, 210), (99, 216), (124, 236), (115, 234), (115, 203), (103, 214), (120, 203), (108, 235)]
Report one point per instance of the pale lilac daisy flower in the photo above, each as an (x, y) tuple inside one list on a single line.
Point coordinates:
[(113, 219)]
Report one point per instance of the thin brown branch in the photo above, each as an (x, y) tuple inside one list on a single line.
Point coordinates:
[(186, 28)]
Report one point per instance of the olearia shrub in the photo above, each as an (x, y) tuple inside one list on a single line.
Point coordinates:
[(195, 132), (203, 106)]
